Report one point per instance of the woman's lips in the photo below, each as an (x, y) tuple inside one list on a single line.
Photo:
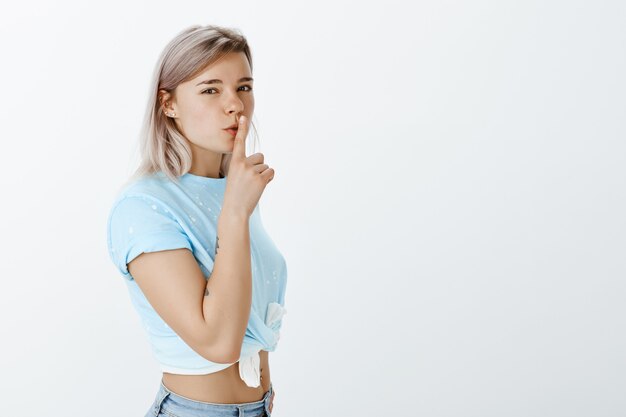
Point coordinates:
[(232, 131)]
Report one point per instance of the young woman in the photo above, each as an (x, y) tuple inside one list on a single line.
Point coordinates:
[(186, 233)]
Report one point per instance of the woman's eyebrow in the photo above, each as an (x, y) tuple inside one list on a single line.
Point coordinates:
[(215, 81)]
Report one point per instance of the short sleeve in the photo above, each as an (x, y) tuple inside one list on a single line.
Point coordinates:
[(141, 224)]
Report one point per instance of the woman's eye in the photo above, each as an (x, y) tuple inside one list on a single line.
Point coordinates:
[(209, 89)]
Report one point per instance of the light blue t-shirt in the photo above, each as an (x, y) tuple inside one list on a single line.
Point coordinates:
[(154, 213)]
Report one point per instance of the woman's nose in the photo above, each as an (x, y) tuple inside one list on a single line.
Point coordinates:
[(235, 105)]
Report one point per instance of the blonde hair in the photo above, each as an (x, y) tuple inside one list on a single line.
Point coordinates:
[(162, 146)]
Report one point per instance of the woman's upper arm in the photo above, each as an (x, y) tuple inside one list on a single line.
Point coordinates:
[(174, 285), (147, 244)]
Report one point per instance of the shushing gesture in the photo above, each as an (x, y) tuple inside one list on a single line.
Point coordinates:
[(247, 176)]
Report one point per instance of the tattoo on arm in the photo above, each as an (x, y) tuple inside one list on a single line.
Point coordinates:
[(217, 246)]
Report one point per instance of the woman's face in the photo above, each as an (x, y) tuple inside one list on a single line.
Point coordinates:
[(214, 100)]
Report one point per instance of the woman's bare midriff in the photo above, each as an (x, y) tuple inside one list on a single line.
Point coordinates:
[(223, 387)]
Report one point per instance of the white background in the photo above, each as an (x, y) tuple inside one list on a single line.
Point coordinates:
[(449, 196)]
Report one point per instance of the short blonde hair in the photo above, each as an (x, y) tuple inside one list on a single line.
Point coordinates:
[(162, 146)]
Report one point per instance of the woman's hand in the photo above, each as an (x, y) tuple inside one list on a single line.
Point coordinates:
[(272, 401), (247, 176)]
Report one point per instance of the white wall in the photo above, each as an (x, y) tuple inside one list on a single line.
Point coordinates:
[(449, 196)]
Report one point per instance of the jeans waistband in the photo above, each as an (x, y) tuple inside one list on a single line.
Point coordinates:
[(201, 408)]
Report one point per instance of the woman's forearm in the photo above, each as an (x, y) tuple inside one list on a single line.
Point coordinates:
[(228, 295)]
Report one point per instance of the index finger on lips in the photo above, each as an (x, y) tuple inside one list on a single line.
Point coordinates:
[(242, 132)]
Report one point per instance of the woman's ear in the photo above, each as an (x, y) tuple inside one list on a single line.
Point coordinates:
[(225, 164), (165, 103)]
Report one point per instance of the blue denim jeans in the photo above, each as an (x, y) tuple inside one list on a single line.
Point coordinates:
[(169, 404)]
